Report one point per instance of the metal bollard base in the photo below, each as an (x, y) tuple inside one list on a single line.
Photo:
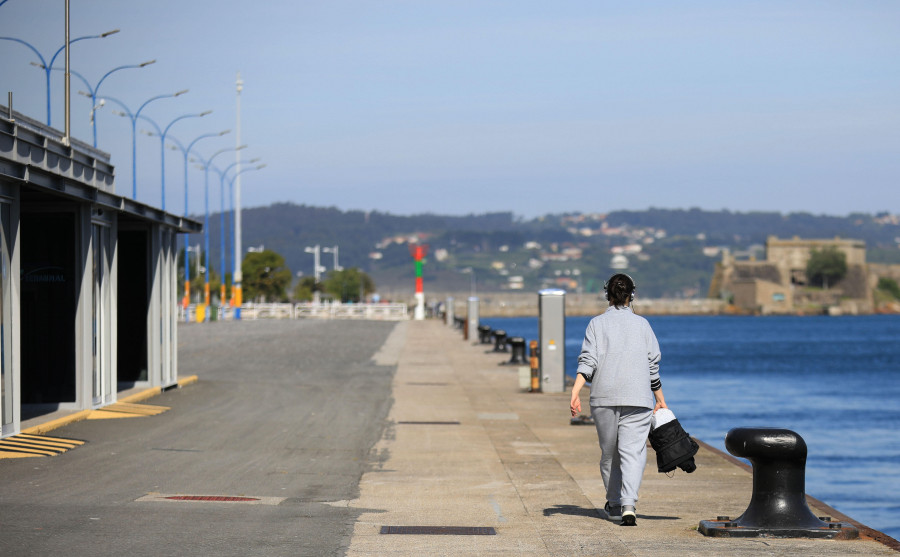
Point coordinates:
[(733, 529)]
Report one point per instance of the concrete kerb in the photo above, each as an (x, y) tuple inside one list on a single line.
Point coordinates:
[(57, 423)]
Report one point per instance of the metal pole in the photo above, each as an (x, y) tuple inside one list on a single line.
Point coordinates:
[(238, 274), (222, 240), (316, 261), (231, 234), (187, 267), (206, 243), (67, 85)]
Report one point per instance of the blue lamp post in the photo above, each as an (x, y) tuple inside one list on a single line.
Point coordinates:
[(206, 165), (162, 150), (92, 91), (186, 151), (235, 286), (223, 252), (133, 116), (44, 65)]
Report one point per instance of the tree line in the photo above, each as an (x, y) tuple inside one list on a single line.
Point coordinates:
[(267, 278)]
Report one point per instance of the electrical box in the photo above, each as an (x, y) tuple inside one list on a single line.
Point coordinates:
[(472, 317), (552, 338)]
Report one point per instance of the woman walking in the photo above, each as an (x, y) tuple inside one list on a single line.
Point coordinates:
[(620, 359)]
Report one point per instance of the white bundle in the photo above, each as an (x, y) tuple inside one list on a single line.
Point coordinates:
[(661, 417)]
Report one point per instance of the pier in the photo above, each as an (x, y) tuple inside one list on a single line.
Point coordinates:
[(305, 437)]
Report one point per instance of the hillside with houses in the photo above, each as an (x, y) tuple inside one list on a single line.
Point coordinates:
[(672, 253)]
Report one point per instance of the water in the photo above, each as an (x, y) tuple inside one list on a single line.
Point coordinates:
[(833, 380)]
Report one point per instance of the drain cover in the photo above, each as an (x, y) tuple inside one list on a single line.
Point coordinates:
[(219, 498), (429, 423), (230, 499), (440, 530)]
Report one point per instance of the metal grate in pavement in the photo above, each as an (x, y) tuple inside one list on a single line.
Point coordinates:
[(215, 498), (428, 423), (228, 499), (440, 530)]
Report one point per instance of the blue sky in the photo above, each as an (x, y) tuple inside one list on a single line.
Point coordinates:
[(463, 107)]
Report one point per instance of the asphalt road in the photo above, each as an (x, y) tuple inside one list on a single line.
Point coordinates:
[(283, 409)]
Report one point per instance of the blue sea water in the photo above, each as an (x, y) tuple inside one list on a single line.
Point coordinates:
[(833, 380)]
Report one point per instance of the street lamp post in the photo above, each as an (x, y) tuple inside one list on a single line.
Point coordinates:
[(316, 268), (133, 116), (206, 165), (186, 151), (334, 250), (162, 152), (92, 91), (236, 274), (47, 66), (224, 245)]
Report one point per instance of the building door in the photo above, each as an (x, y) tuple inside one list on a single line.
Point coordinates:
[(133, 306), (49, 292)]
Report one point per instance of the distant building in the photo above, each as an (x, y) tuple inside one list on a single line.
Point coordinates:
[(516, 282), (777, 283)]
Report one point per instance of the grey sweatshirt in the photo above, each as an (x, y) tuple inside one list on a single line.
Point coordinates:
[(620, 358)]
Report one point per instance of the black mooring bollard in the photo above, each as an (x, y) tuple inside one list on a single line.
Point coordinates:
[(778, 504), (484, 334), (517, 344), (499, 340)]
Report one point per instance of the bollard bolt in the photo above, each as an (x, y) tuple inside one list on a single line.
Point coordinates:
[(484, 334), (517, 344), (778, 503), (499, 340)]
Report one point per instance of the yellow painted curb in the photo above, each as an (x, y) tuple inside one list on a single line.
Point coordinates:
[(83, 414), (143, 395), (59, 422), (189, 380)]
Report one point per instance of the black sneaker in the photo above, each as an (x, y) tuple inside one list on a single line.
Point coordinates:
[(628, 516), (613, 512)]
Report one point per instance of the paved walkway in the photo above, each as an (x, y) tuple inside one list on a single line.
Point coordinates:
[(336, 430), (513, 463), (280, 423)]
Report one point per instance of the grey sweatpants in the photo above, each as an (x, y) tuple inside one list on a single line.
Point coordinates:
[(622, 432)]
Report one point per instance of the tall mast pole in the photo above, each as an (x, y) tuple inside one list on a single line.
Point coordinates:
[(68, 96), (237, 275)]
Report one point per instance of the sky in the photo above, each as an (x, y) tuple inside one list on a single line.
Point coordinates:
[(461, 107)]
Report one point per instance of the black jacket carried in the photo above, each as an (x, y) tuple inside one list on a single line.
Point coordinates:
[(674, 447)]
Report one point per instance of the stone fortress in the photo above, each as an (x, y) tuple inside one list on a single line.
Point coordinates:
[(779, 284)]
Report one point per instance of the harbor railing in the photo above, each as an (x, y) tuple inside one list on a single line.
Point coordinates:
[(377, 312)]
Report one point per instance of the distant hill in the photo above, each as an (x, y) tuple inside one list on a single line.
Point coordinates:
[(670, 252)]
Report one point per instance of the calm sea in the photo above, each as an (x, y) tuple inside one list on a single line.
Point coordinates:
[(833, 380)]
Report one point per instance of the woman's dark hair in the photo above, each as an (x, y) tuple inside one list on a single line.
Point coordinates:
[(620, 289)]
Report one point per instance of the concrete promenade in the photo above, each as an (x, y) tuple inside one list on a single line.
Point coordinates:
[(330, 433), (513, 463)]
